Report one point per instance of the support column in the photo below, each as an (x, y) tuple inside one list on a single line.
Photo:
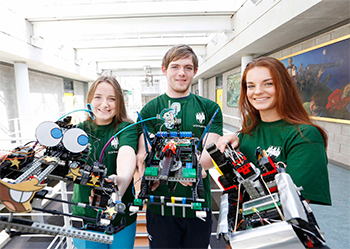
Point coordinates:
[(245, 59), (201, 87), (23, 99)]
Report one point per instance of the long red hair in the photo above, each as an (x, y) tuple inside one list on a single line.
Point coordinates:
[(289, 105)]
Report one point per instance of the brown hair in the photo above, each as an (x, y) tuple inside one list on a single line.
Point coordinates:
[(121, 114), (289, 106), (178, 52)]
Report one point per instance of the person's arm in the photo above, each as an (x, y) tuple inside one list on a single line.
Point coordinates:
[(140, 163), (140, 156), (126, 161)]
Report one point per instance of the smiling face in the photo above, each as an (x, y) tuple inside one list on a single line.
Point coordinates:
[(179, 76), (261, 93), (104, 103)]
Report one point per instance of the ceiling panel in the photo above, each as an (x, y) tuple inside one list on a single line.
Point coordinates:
[(126, 35)]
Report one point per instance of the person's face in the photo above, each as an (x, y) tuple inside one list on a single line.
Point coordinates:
[(104, 103), (308, 78), (261, 93), (313, 108), (179, 76), (347, 90)]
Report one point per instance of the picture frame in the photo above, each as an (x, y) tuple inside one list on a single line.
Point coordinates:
[(233, 89), (322, 76)]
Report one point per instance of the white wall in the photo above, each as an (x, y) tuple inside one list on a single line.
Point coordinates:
[(46, 102)]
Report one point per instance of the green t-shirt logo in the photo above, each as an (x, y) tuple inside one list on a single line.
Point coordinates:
[(200, 117), (115, 143), (274, 151)]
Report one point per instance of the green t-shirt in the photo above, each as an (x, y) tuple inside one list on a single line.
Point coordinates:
[(305, 155), (98, 137), (195, 113)]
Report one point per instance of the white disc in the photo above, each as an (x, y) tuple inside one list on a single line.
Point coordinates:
[(48, 134), (75, 140)]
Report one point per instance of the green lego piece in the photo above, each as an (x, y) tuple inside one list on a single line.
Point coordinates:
[(138, 202), (189, 173), (197, 206), (151, 171)]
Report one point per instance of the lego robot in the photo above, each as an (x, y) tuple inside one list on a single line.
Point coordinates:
[(173, 158), (260, 205), (60, 153)]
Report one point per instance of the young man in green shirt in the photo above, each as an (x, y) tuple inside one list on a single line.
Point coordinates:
[(180, 65)]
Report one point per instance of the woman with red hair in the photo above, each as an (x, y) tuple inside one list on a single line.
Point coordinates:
[(274, 120)]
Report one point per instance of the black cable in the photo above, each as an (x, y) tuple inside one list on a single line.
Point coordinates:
[(29, 143), (55, 212), (69, 202)]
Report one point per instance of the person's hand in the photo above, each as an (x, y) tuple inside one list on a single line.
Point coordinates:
[(113, 178), (231, 138), (109, 180), (3, 155), (91, 197), (155, 185), (140, 164)]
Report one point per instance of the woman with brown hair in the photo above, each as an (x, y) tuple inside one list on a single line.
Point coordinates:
[(274, 120), (106, 97)]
